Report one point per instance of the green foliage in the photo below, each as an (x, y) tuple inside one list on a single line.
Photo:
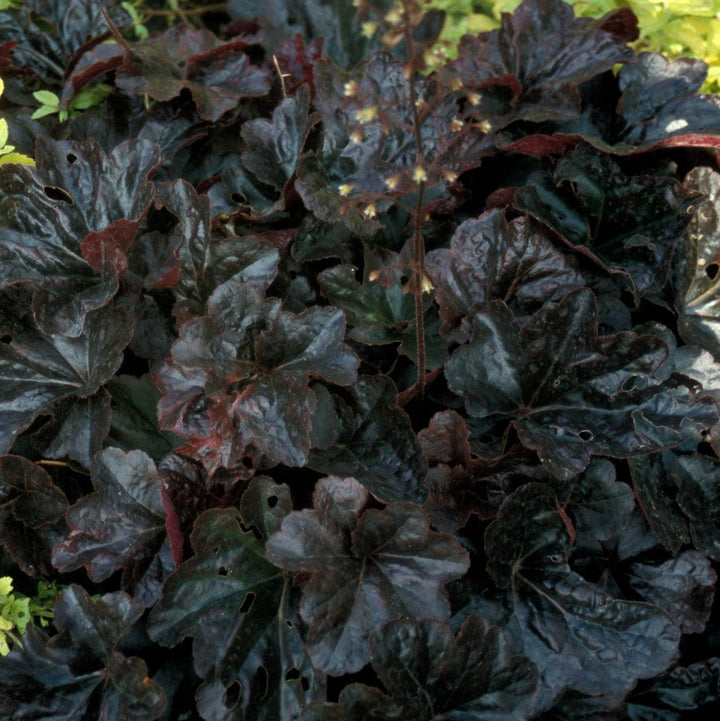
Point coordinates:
[(676, 28), (88, 97), (18, 610)]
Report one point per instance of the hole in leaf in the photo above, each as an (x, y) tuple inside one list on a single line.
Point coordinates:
[(404, 279), (712, 270), (6, 339), (585, 435), (247, 462), (71, 158), (262, 680), (305, 683), (233, 694), (289, 624), (55, 193), (247, 603), (222, 571), (272, 501), (239, 198), (292, 674)]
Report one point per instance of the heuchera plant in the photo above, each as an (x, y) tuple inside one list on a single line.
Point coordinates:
[(336, 389)]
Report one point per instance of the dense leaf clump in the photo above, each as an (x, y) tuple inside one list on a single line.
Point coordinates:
[(333, 388)]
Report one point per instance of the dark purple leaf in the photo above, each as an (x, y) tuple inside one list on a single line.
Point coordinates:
[(429, 675), (274, 146), (531, 68), (235, 606), (218, 75), (682, 693), (696, 279), (249, 362), (491, 258), (660, 105), (656, 489), (31, 514), (629, 224), (119, 526), (73, 218), (37, 370), (683, 587), (362, 567), (77, 429), (578, 636), (376, 444), (574, 394), (78, 675)]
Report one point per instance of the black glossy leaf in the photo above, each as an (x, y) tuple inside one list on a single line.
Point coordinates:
[(656, 489), (134, 417), (37, 370), (660, 105), (630, 224), (69, 223), (380, 310), (531, 68), (31, 514), (491, 258), (249, 363), (697, 478), (578, 636), (205, 261), (236, 607), (218, 75), (574, 394), (119, 526), (459, 485), (683, 587), (77, 429), (361, 567), (78, 675), (429, 675), (274, 146), (376, 444), (683, 693), (696, 277), (335, 21)]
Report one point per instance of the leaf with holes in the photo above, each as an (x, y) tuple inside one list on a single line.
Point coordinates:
[(237, 608), (69, 224), (361, 567), (571, 393)]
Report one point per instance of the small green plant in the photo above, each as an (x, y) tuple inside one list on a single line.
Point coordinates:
[(7, 152), (85, 99), (17, 611)]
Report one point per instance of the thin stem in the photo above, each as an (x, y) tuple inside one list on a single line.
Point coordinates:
[(215, 7), (418, 243), (113, 29)]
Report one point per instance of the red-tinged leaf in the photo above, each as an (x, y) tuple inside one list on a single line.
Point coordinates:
[(31, 514), (236, 607), (296, 59), (218, 75), (119, 526), (249, 362), (361, 567), (93, 63), (76, 191), (532, 67), (78, 673)]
